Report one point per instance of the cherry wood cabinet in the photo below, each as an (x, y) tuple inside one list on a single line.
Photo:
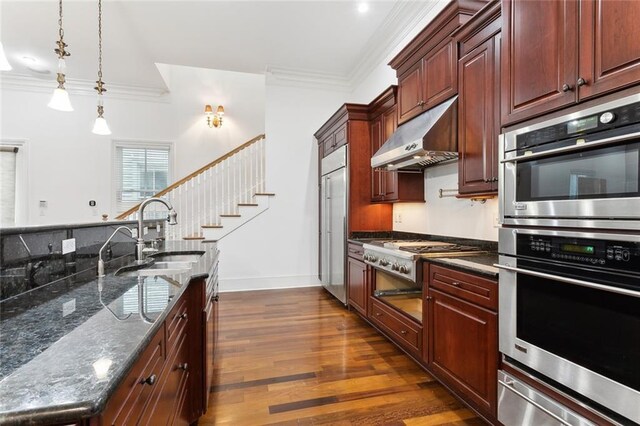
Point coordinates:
[(358, 280), (165, 385), (479, 103), (350, 126), (389, 186), (427, 66), (557, 53), (462, 335), (401, 329)]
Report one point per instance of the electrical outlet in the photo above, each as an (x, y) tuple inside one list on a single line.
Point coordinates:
[(496, 222), (68, 307), (134, 232), (145, 230), (158, 228), (68, 246), (398, 217)]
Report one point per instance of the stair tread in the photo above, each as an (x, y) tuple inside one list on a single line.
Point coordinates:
[(269, 194), (211, 226), (193, 237), (248, 204)]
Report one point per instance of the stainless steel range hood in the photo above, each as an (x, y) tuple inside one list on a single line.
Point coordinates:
[(428, 139)]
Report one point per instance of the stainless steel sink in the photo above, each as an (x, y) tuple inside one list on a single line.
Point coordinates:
[(176, 257)]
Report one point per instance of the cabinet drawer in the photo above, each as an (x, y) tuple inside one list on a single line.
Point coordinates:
[(165, 403), (176, 321), (130, 399), (356, 251), (328, 144), (481, 291), (402, 330)]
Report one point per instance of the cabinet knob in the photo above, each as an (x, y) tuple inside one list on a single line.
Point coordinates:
[(403, 332), (183, 316), (183, 366), (429, 298), (581, 82), (216, 298), (566, 88), (149, 380), (378, 314), (455, 284)]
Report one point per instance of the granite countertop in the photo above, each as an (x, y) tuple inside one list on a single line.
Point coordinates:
[(57, 367), (481, 264)]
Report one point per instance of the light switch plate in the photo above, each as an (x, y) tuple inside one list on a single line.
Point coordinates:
[(68, 246), (68, 307), (134, 232), (145, 230)]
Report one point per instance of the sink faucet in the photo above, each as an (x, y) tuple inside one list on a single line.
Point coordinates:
[(171, 219), (100, 261)]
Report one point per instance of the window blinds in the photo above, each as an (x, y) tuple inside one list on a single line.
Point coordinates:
[(140, 172), (8, 185)]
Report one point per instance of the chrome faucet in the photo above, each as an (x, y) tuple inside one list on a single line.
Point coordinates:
[(100, 261), (171, 219)]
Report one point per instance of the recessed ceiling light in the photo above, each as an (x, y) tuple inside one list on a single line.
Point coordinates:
[(363, 7), (34, 65)]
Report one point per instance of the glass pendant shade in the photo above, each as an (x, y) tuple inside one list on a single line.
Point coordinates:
[(4, 64), (60, 100), (100, 127)]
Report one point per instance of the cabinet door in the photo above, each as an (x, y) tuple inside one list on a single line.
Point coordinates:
[(410, 94), (376, 175), (439, 74), (358, 296), (539, 57), (609, 45), (477, 127), (464, 349), (328, 144), (389, 179)]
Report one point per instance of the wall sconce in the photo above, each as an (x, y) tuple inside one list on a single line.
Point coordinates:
[(214, 120)]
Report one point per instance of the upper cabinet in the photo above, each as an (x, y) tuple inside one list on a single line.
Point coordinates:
[(479, 103), (427, 67), (557, 53), (389, 186), (350, 126)]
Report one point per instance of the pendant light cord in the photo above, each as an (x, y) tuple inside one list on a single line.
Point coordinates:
[(61, 51), (100, 84)]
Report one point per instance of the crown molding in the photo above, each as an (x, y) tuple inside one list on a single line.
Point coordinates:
[(402, 21), (22, 82), (283, 76)]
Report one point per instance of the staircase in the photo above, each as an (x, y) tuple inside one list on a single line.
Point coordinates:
[(216, 199)]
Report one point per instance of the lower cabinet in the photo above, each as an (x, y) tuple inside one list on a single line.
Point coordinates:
[(402, 330), (462, 334), (166, 385), (358, 285)]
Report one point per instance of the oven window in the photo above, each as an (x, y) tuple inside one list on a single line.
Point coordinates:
[(595, 329), (404, 295), (600, 173)]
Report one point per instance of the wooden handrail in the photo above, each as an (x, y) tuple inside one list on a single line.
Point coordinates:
[(194, 174)]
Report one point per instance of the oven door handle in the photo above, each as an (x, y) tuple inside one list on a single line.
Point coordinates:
[(606, 141), (510, 386), (573, 281)]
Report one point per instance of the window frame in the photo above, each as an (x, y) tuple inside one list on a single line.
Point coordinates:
[(137, 144), (22, 179)]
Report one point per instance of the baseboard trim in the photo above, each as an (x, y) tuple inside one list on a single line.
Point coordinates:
[(228, 285)]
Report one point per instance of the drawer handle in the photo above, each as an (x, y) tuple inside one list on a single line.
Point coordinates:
[(149, 380), (378, 314), (183, 366), (215, 298), (403, 332), (183, 316), (510, 385), (455, 284)]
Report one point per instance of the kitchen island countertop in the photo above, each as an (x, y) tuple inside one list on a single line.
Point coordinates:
[(64, 352)]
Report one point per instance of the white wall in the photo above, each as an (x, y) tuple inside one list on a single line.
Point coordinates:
[(282, 243), (68, 165)]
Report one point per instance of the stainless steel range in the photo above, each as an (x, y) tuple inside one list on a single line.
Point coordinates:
[(397, 276)]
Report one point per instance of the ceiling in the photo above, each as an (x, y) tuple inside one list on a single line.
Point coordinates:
[(329, 38)]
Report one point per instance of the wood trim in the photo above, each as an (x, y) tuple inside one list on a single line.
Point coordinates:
[(196, 173)]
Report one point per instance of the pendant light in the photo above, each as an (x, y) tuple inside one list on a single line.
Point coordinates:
[(100, 126), (60, 99)]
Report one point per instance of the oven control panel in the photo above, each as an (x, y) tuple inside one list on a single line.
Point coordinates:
[(623, 255)]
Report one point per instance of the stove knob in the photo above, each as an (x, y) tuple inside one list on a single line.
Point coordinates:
[(404, 269), (372, 258), (384, 262), (395, 267), (366, 257)]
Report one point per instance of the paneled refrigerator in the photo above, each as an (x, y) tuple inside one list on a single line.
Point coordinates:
[(333, 222)]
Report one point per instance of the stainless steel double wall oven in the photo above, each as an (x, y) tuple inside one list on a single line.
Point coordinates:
[(570, 264)]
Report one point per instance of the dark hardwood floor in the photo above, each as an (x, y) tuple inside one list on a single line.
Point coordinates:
[(297, 357)]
